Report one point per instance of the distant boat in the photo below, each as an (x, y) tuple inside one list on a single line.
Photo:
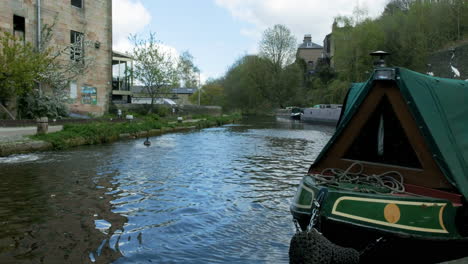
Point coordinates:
[(323, 113), (296, 113)]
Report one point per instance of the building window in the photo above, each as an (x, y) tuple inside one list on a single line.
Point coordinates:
[(73, 90), (77, 45), (121, 77), (19, 27), (77, 3)]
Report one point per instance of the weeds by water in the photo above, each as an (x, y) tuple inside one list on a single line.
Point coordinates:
[(105, 132)]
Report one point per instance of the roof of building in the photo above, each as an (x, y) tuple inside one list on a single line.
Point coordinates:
[(184, 90), (120, 54), (438, 107), (310, 45), (141, 89)]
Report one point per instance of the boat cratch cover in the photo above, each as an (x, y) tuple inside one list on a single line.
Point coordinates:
[(438, 106)]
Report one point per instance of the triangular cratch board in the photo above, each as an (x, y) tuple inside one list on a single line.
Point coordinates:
[(383, 136)]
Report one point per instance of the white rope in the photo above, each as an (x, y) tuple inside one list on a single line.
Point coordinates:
[(391, 180)]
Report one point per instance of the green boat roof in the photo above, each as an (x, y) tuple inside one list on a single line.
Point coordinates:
[(440, 108)]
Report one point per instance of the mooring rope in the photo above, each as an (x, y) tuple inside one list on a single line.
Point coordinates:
[(391, 180)]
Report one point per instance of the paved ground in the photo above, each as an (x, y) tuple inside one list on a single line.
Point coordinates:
[(23, 131)]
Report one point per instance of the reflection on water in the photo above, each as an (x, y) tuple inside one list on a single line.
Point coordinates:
[(218, 195)]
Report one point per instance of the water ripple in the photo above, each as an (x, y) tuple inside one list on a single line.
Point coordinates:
[(220, 195)]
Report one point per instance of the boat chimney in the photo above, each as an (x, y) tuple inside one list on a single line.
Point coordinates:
[(381, 72), (380, 63), (429, 70)]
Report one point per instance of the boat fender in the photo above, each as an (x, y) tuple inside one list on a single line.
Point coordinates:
[(310, 247)]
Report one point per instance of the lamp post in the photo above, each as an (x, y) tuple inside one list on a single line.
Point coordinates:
[(199, 88)]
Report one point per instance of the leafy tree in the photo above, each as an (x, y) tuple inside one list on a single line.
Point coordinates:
[(395, 6), (187, 70), (212, 93), (246, 84), (20, 68), (154, 67)]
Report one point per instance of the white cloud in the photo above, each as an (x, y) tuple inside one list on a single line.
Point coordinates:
[(131, 17), (128, 17), (301, 16)]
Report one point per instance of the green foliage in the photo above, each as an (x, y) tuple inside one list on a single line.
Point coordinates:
[(20, 66), (105, 132), (256, 84), (211, 121), (34, 105), (188, 72), (248, 85), (212, 93), (95, 133), (23, 68), (409, 30)]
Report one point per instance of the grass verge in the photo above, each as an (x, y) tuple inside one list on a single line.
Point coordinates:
[(105, 132)]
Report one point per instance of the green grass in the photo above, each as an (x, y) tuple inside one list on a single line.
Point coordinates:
[(105, 132)]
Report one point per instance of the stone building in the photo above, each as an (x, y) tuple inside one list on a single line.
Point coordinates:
[(74, 19), (310, 52), (329, 49)]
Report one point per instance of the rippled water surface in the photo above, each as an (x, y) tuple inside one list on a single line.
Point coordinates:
[(218, 195)]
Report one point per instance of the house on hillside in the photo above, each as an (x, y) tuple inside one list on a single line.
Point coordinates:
[(75, 20), (310, 52)]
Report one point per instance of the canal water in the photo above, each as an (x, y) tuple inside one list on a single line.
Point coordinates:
[(217, 195)]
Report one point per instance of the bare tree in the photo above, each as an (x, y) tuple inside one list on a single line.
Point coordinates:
[(279, 46), (154, 67), (63, 64), (67, 62)]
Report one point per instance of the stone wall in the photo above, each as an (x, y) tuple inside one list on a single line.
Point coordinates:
[(94, 20), (440, 62), (184, 110)]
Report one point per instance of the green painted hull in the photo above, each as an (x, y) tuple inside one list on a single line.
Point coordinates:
[(404, 216)]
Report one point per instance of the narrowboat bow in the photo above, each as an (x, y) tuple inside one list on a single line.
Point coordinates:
[(392, 181)]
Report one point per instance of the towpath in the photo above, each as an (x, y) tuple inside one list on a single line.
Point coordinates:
[(24, 131)]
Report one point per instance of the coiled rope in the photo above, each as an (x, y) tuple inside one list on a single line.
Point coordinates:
[(391, 180)]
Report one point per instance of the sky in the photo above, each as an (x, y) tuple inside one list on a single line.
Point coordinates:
[(218, 32)]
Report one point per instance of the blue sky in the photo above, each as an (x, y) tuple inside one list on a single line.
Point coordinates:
[(207, 31), (218, 32)]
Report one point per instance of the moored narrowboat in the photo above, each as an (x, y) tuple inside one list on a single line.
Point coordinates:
[(392, 181), (296, 113)]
